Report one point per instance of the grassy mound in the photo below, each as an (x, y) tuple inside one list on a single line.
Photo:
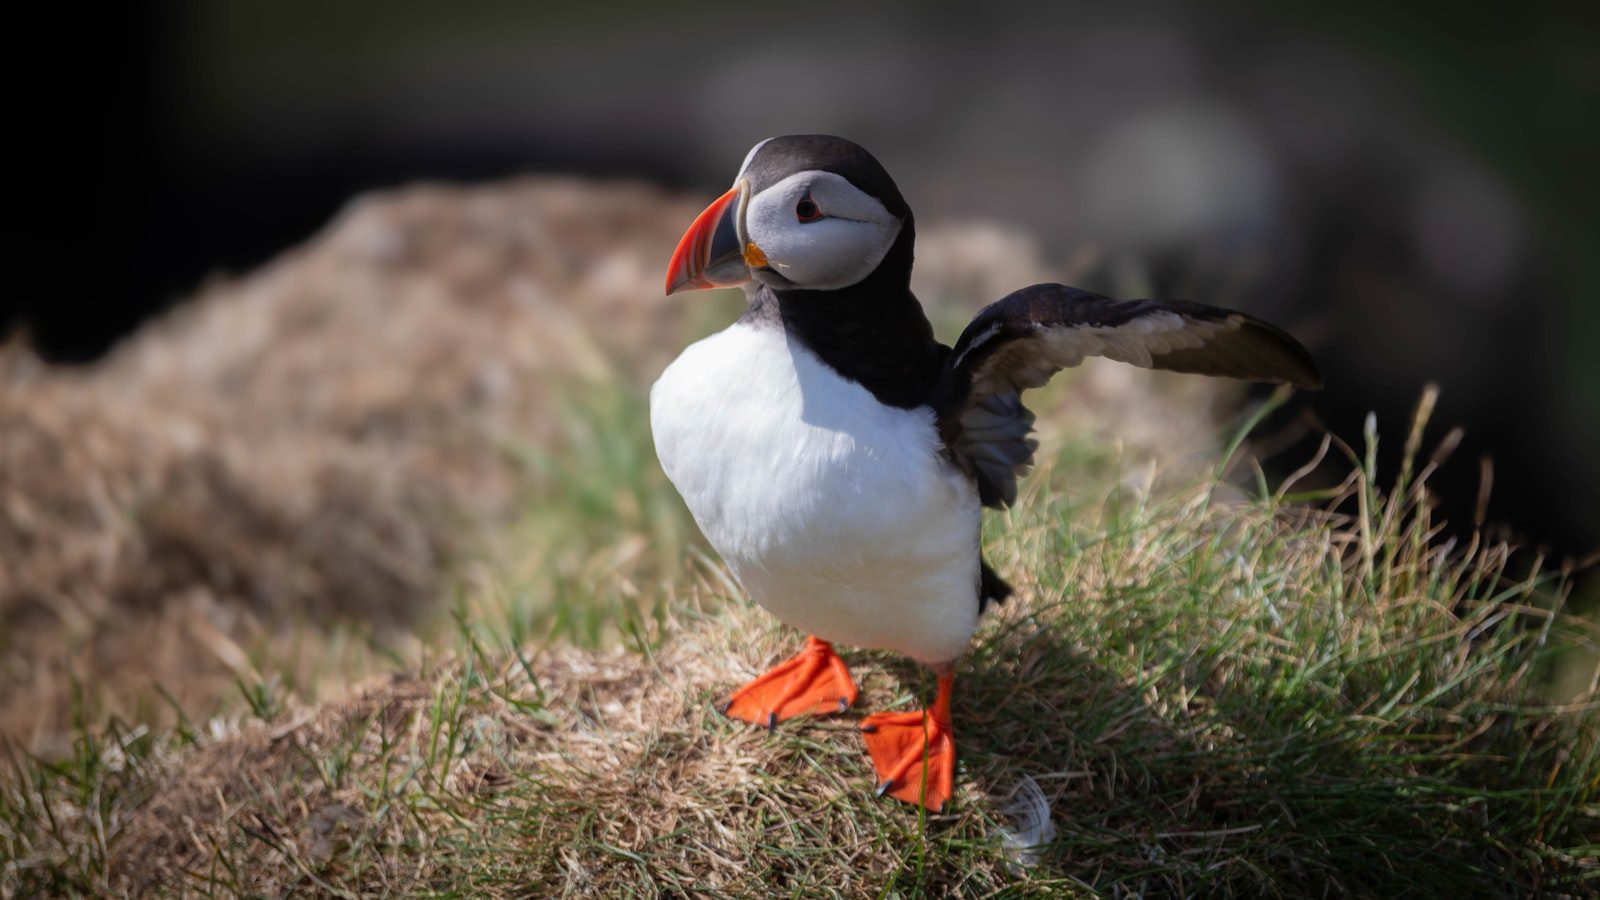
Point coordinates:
[(1196, 692)]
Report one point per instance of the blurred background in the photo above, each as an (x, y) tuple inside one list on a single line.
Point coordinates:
[(1408, 189)]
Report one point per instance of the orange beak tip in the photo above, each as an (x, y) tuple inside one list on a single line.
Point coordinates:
[(709, 255)]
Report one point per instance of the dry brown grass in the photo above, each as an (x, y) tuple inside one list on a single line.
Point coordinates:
[(1209, 698), (611, 730), (307, 446)]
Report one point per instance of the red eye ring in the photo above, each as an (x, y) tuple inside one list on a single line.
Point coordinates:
[(806, 210)]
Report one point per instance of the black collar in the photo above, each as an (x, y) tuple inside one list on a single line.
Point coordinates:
[(873, 332)]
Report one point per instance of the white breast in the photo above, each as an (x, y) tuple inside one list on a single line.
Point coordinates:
[(837, 513)]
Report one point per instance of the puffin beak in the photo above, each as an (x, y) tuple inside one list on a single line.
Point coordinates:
[(712, 252)]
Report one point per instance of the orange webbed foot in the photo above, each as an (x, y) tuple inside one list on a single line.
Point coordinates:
[(813, 681), (914, 752)]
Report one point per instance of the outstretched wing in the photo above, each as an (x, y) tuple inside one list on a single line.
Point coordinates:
[(1021, 340)]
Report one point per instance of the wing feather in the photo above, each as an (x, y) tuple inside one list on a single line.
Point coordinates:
[(1020, 341)]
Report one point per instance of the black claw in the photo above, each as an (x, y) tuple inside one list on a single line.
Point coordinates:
[(843, 704), (868, 729), (882, 788), (723, 707), (772, 721)]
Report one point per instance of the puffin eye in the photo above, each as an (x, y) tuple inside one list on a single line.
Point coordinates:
[(806, 210)]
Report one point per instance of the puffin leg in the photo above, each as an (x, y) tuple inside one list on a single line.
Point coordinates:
[(815, 681), (915, 752)]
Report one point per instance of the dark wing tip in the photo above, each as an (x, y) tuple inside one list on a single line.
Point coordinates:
[(1251, 349), (1288, 361)]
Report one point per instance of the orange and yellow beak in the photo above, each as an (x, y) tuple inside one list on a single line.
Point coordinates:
[(713, 252)]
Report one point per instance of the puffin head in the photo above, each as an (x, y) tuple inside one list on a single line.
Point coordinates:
[(806, 212)]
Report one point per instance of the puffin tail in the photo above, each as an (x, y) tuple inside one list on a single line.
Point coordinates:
[(991, 587)]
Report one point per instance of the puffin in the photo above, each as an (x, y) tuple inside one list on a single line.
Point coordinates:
[(840, 458)]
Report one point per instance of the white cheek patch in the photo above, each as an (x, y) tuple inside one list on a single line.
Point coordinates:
[(833, 252)]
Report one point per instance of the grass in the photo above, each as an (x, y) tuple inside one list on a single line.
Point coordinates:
[(1202, 690)]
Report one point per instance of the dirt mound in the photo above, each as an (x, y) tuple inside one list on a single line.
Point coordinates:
[(308, 444)]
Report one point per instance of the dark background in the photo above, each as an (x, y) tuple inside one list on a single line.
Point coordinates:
[(1410, 190)]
